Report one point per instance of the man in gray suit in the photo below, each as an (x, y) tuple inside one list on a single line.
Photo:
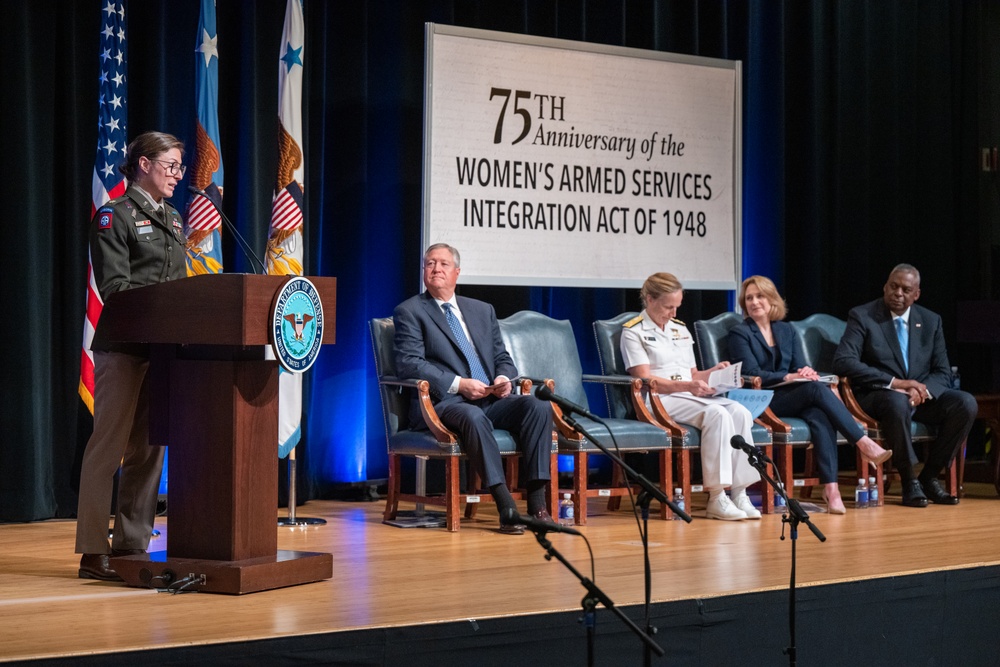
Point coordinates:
[(454, 343), (893, 352)]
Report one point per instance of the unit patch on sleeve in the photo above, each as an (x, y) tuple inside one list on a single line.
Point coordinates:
[(104, 218)]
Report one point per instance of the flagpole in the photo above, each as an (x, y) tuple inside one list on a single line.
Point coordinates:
[(291, 521)]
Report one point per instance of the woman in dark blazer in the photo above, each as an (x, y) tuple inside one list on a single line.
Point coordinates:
[(766, 346)]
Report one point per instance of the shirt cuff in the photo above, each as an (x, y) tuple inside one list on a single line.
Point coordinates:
[(453, 389)]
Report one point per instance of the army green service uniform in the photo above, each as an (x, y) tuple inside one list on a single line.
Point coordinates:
[(133, 243)]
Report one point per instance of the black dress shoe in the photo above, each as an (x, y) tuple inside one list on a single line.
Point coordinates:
[(95, 566), (913, 494), (936, 493), (543, 515)]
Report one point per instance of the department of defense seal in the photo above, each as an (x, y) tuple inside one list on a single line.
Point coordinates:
[(297, 324)]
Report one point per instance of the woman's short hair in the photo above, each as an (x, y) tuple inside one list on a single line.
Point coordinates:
[(657, 285), (778, 307), (148, 145)]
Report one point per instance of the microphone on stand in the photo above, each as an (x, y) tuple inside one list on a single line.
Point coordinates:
[(543, 392), (752, 451), (537, 526), (248, 252)]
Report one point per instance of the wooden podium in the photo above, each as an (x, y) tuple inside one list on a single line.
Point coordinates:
[(214, 402)]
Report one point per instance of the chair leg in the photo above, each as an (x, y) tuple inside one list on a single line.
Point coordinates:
[(683, 462), (474, 483), (392, 496), (617, 479), (580, 488), (553, 489), (956, 471), (452, 493), (806, 492), (766, 492), (667, 481)]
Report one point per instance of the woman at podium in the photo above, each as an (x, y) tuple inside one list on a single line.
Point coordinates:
[(135, 240)]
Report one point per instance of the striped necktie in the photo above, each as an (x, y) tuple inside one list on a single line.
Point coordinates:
[(475, 365)]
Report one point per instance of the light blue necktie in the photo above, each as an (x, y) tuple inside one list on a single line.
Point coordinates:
[(904, 342), (475, 365)]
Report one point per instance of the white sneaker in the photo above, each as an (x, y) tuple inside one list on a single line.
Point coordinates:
[(721, 507), (743, 502)]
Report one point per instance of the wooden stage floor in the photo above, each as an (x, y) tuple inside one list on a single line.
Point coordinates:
[(386, 576)]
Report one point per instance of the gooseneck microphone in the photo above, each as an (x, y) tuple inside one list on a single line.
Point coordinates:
[(537, 525), (543, 392), (248, 252)]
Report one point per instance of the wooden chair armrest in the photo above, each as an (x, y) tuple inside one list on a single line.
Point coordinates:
[(847, 395), (752, 382), (771, 422), (430, 415), (662, 417), (562, 427)]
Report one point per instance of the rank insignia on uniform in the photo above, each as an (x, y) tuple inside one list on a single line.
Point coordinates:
[(104, 221), (677, 321), (632, 322)]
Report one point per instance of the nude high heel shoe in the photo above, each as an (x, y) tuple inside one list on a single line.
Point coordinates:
[(834, 503)]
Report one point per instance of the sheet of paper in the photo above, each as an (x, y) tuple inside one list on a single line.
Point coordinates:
[(725, 379)]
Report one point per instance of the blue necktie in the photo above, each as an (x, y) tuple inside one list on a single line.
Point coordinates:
[(904, 342), (475, 365)]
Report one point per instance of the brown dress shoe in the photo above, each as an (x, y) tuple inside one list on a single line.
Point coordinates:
[(118, 553), (96, 566)]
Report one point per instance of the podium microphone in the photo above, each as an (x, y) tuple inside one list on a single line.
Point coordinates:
[(536, 525), (543, 392), (248, 252)]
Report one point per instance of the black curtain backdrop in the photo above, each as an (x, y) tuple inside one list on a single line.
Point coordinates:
[(860, 136)]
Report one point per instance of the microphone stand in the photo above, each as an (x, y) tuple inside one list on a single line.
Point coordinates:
[(590, 601), (645, 497), (793, 517), (240, 241)]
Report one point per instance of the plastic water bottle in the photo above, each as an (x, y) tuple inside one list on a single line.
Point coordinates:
[(861, 495), (566, 510), (956, 379), (679, 501), (872, 492), (779, 501)]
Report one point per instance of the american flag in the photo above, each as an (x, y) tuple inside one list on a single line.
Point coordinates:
[(108, 182)]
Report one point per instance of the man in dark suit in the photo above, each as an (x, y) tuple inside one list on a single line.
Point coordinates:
[(893, 352), (454, 343)]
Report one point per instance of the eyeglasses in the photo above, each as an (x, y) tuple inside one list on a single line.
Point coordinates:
[(172, 168)]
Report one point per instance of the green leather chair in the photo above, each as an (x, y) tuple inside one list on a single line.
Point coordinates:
[(436, 443), (545, 348)]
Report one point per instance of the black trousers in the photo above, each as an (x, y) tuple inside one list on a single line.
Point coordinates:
[(952, 413)]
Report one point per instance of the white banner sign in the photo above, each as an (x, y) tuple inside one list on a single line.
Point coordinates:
[(549, 162)]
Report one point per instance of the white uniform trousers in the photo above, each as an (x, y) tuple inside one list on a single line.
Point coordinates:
[(718, 419)]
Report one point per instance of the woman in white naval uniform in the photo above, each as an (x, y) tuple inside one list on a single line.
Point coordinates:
[(655, 345)]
